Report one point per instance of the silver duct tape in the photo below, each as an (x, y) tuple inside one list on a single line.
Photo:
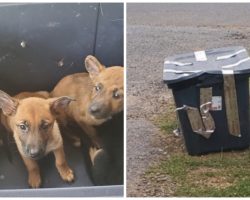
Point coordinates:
[(207, 118), (181, 71), (196, 121), (177, 63), (236, 64), (230, 55), (200, 56), (205, 106), (178, 131)]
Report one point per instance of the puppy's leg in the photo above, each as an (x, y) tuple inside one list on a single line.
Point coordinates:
[(100, 168), (76, 141), (93, 152), (92, 133), (34, 172), (71, 136), (65, 172), (66, 130)]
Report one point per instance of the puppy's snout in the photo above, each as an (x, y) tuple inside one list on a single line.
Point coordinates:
[(99, 110), (95, 108), (35, 152)]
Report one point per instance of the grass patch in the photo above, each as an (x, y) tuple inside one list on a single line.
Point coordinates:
[(167, 122), (225, 174), (216, 175)]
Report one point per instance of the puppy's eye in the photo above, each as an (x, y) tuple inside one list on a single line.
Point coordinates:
[(23, 127), (98, 87), (116, 94), (45, 126)]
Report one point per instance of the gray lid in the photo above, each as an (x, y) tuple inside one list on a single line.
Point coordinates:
[(214, 61)]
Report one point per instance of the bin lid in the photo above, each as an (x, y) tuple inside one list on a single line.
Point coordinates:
[(214, 61)]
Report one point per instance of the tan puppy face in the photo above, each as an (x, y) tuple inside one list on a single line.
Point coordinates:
[(108, 92), (32, 126), (31, 121)]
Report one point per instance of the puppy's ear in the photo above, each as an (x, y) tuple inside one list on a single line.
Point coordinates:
[(93, 66), (60, 103), (7, 103)]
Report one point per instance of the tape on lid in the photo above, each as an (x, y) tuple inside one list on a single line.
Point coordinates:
[(200, 56)]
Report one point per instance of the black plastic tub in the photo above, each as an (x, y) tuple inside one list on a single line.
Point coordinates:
[(41, 43), (208, 74)]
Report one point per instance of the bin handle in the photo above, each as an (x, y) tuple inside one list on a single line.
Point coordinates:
[(201, 124), (184, 107), (202, 107)]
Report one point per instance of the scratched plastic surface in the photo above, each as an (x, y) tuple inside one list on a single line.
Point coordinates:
[(40, 44)]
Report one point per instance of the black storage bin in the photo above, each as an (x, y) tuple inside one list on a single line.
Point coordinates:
[(40, 44), (187, 74)]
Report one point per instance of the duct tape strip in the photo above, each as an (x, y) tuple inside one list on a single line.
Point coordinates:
[(200, 56), (205, 107), (177, 63), (236, 64), (178, 131), (207, 119), (205, 95), (230, 55), (195, 120), (231, 103), (181, 71)]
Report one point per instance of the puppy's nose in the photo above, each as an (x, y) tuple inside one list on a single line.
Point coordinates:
[(95, 108), (34, 152)]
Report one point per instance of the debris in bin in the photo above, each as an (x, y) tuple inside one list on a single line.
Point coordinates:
[(60, 63), (2, 177), (23, 44), (77, 15)]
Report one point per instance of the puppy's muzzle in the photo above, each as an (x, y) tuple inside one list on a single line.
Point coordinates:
[(34, 152), (99, 111)]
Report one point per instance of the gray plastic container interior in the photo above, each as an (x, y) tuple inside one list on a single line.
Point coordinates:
[(41, 43)]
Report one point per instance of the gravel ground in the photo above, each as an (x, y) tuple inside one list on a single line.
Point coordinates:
[(155, 31)]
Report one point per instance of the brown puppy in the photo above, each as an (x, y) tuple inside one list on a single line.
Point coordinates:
[(31, 119), (98, 95)]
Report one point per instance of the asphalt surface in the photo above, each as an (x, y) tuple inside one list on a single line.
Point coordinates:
[(154, 32)]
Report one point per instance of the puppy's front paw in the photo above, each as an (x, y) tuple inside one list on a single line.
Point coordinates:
[(66, 173), (34, 180)]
